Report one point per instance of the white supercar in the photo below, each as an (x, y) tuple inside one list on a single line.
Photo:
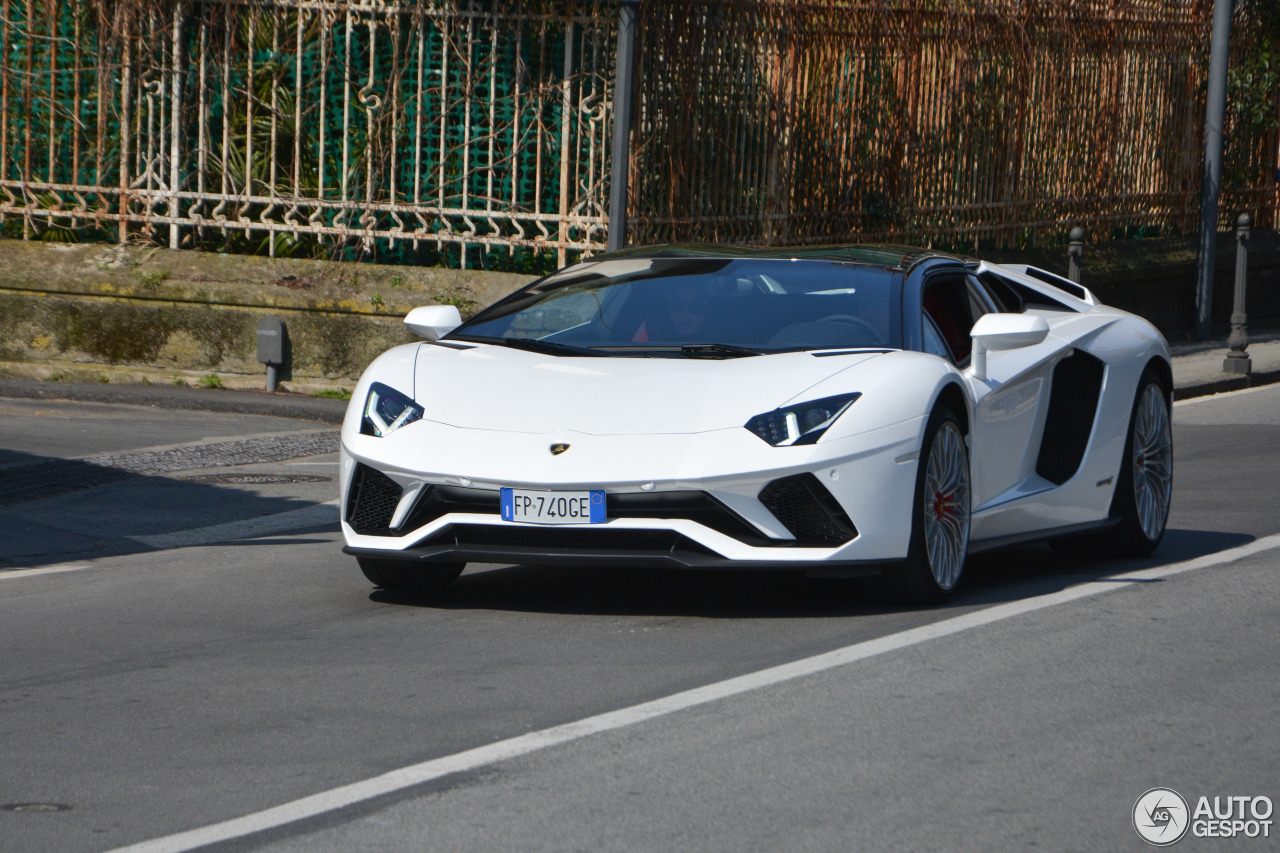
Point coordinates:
[(845, 411)]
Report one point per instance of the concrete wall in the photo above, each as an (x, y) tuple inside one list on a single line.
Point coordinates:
[(133, 314)]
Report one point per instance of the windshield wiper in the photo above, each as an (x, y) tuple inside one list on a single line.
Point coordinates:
[(533, 345), (716, 351)]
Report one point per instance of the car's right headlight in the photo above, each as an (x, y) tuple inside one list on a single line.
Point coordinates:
[(801, 423), (386, 410)]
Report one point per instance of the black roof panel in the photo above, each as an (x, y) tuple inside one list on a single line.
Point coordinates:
[(886, 255)]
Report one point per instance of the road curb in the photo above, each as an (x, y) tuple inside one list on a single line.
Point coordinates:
[(1232, 383), (277, 404)]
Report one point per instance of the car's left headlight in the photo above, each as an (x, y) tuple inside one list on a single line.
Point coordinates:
[(802, 423), (386, 410)]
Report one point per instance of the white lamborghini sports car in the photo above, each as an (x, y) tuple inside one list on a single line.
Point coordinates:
[(858, 410)]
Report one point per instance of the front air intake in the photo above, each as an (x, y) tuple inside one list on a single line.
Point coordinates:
[(808, 510), (372, 501)]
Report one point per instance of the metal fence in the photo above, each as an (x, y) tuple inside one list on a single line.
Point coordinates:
[(964, 123), (412, 130), (283, 126)]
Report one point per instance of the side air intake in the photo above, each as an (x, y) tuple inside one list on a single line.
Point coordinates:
[(808, 510), (1073, 407), (372, 501)]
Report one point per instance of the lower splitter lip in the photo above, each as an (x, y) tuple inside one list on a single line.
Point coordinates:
[(675, 558)]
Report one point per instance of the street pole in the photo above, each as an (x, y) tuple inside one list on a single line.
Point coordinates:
[(1075, 251), (622, 86), (1237, 360), (1214, 115)]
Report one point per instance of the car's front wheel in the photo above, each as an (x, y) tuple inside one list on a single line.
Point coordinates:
[(940, 517), (410, 574)]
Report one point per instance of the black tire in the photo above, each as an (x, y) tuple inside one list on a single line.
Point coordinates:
[(1131, 537), (410, 574), (915, 580)]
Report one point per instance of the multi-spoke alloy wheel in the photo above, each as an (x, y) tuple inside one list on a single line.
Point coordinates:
[(1144, 489), (940, 517), (1152, 460), (945, 505)]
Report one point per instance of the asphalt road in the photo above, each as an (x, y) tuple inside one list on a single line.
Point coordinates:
[(147, 690)]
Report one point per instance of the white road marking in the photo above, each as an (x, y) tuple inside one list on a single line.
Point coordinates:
[(1209, 398), (249, 528), (45, 570), (417, 774)]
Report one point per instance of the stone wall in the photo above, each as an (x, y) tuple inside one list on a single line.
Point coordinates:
[(141, 314), (112, 313)]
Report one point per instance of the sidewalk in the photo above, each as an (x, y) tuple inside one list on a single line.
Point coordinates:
[(1197, 365), (1197, 371)]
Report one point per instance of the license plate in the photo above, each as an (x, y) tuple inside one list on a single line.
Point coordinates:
[(553, 507)]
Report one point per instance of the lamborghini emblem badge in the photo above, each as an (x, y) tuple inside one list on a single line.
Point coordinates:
[(558, 448)]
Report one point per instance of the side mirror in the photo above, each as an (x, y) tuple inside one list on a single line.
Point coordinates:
[(433, 322), (1004, 331)]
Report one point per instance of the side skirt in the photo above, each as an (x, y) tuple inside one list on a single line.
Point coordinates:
[(1040, 535)]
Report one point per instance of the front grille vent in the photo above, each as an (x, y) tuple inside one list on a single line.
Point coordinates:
[(808, 510), (438, 501), (564, 538), (372, 502)]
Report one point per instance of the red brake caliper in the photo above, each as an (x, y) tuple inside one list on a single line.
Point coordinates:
[(941, 505)]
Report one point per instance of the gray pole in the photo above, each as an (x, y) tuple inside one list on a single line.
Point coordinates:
[(1237, 360), (1075, 251), (622, 123), (1214, 115)]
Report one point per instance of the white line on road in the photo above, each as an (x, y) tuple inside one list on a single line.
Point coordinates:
[(417, 774), (7, 575), (249, 528)]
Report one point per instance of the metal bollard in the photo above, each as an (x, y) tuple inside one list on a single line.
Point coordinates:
[(1237, 360), (1075, 251), (273, 349)]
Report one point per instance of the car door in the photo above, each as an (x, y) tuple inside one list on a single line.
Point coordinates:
[(1009, 405)]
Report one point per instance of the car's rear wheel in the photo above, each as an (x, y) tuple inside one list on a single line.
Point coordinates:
[(940, 517), (1144, 489), (410, 574)]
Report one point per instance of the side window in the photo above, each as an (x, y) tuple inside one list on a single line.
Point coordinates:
[(952, 307), (980, 300), (933, 343), (1008, 298)]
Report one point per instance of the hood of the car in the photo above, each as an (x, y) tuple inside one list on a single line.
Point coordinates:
[(500, 388)]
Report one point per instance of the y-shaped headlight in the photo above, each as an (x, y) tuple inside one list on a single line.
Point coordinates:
[(802, 423), (387, 410)]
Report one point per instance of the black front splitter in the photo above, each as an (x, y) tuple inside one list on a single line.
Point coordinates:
[(673, 559)]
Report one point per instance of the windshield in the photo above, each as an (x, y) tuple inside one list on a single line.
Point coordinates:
[(697, 307)]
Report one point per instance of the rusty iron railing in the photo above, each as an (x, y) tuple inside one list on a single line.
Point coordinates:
[(961, 123), (465, 131)]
